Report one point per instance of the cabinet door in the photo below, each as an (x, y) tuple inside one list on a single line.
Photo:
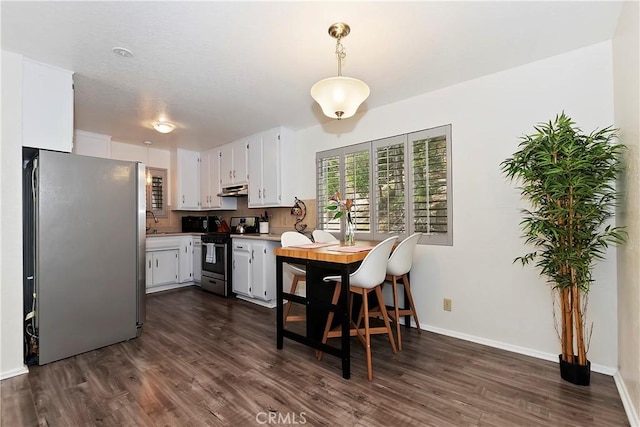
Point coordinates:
[(258, 252), (226, 164), (240, 168), (188, 174), (271, 168), (165, 267), (205, 180), (186, 260), (197, 259), (241, 269), (47, 107), (264, 270), (148, 278), (216, 202), (255, 168)]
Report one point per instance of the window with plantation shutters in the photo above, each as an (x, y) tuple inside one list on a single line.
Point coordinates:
[(356, 185), (399, 185), (431, 183), (328, 179), (391, 186)]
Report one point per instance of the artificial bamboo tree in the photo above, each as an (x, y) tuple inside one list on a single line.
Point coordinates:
[(569, 179)]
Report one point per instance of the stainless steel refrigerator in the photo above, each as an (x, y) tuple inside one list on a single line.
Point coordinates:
[(84, 248)]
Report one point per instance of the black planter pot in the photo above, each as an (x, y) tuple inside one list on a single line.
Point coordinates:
[(574, 373)]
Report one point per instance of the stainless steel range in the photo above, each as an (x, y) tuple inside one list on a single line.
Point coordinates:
[(216, 263), (216, 255)]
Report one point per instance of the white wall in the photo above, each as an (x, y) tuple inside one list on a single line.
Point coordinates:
[(626, 48), (11, 347), (494, 301)]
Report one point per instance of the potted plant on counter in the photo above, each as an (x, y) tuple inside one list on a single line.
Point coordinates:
[(568, 177)]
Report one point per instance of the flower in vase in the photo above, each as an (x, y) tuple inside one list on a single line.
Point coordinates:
[(341, 206)]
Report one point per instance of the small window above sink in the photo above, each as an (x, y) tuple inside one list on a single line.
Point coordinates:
[(157, 191)]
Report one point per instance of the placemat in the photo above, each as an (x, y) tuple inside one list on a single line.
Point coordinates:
[(314, 245), (352, 249)]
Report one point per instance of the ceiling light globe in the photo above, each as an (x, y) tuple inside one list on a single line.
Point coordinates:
[(340, 94)]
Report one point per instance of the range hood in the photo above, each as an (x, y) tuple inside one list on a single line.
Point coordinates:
[(235, 191)]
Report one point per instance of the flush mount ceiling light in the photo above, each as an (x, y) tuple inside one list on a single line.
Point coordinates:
[(122, 51), (164, 127), (340, 96)]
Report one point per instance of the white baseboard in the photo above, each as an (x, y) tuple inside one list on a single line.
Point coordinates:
[(268, 304), (168, 287), (595, 367), (632, 415), (14, 372)]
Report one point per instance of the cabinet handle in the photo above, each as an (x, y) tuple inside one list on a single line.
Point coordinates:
[(234, 264), (149, 263), (264, 193), (230, 176), (183, 198), (156, 262), (259, 193), (253, 254), (234, 173)]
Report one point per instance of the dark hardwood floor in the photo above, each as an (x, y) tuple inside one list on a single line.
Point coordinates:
[(203, 360)]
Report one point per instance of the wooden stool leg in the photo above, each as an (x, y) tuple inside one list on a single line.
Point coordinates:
[(367, 336), (327, 328), (294, 286), (385, 316), (396, 309), (407, 289)]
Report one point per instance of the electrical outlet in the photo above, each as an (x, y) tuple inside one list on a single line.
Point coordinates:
[(446, 304)]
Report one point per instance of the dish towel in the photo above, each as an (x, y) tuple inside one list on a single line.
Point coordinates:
[(211, 253)]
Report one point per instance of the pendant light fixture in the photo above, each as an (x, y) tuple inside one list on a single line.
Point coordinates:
[(340, 96)]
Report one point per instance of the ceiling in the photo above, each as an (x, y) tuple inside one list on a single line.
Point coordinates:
[(224, 70)]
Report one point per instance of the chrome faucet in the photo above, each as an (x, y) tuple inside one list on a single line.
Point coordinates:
[(155, 219)]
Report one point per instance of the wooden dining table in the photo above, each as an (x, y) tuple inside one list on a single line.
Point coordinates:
[(320, 260)]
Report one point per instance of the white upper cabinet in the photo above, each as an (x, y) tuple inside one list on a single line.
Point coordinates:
[(47, 107), (210, 185), (271, 179), (186, 182), (233, 163), (92, 144)]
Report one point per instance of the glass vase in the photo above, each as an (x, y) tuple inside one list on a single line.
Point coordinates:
[(349, 231)]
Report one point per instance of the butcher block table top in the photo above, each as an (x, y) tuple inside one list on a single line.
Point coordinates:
[(335, 252)]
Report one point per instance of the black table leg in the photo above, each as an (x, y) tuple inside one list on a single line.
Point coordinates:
[(407, 318), (279, 308)]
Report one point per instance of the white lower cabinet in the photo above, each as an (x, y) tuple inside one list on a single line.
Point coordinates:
[(162, 267), (197, 259), (254, 270), (169, 262), (186, 259)]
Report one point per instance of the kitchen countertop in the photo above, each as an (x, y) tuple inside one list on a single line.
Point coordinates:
[(177, 233), (257, 236), (253, 236)]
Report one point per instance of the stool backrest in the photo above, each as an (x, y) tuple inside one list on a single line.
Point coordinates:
[(373, 269), (402, 257), (290, 238), (321, 236)]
